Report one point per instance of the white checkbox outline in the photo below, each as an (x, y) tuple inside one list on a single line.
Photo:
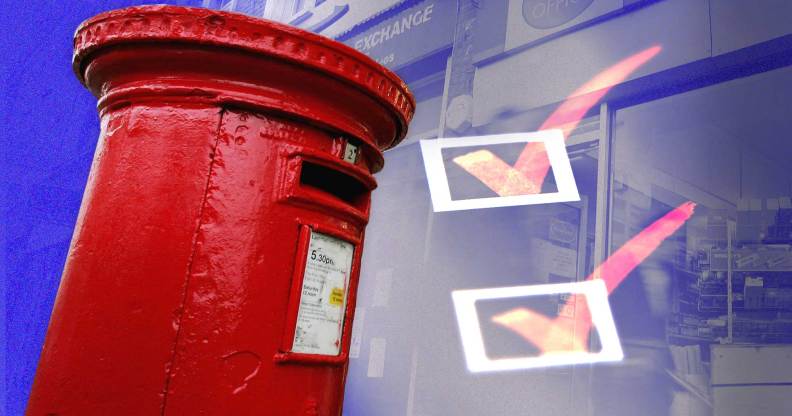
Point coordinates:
[(596, 295), (437, 178)]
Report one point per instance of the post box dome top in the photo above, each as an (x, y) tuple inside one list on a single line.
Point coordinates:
[(201, 26)]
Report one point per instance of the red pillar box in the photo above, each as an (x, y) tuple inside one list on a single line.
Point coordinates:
[(216, 256)]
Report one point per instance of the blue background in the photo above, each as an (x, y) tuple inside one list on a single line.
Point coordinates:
[(50, 128)]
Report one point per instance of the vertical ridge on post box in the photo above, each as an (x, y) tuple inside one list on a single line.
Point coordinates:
[(129, 291), (232, 299)]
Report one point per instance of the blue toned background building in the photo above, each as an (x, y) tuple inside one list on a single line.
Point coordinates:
[(705, 322)]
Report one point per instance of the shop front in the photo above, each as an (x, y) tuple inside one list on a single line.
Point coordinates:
[(666, 107)]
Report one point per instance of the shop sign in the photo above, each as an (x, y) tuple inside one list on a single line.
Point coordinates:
[(530, 20), (334, 17), (415, 32), (547, 14)]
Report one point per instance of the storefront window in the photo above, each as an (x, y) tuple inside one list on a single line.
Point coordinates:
[(690, 341), (407, 356), (702, 319)]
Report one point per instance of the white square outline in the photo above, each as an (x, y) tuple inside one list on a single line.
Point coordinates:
[(556, 153), (473, 342)]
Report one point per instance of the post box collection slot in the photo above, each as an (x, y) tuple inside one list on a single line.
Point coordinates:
[(334, 182)]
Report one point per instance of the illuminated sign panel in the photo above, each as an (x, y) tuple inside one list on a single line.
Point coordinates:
[(546, 14), (530, 20)]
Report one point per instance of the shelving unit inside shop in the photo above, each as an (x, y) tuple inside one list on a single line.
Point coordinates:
[(734, 281), (731, 297)]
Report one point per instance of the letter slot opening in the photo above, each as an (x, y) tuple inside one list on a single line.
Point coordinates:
[(336, 183)]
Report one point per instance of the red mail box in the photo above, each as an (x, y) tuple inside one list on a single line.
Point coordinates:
[(215, 260)]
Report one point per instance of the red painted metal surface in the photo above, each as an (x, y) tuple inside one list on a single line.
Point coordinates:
[(182, 284)]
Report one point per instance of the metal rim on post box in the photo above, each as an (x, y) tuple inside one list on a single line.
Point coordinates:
[(200, 26)]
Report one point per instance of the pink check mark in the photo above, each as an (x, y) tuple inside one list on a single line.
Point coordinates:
[(572, 334), (527, 176), (528, 173)]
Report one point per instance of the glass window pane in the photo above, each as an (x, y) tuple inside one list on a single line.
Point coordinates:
[(727, 148)]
